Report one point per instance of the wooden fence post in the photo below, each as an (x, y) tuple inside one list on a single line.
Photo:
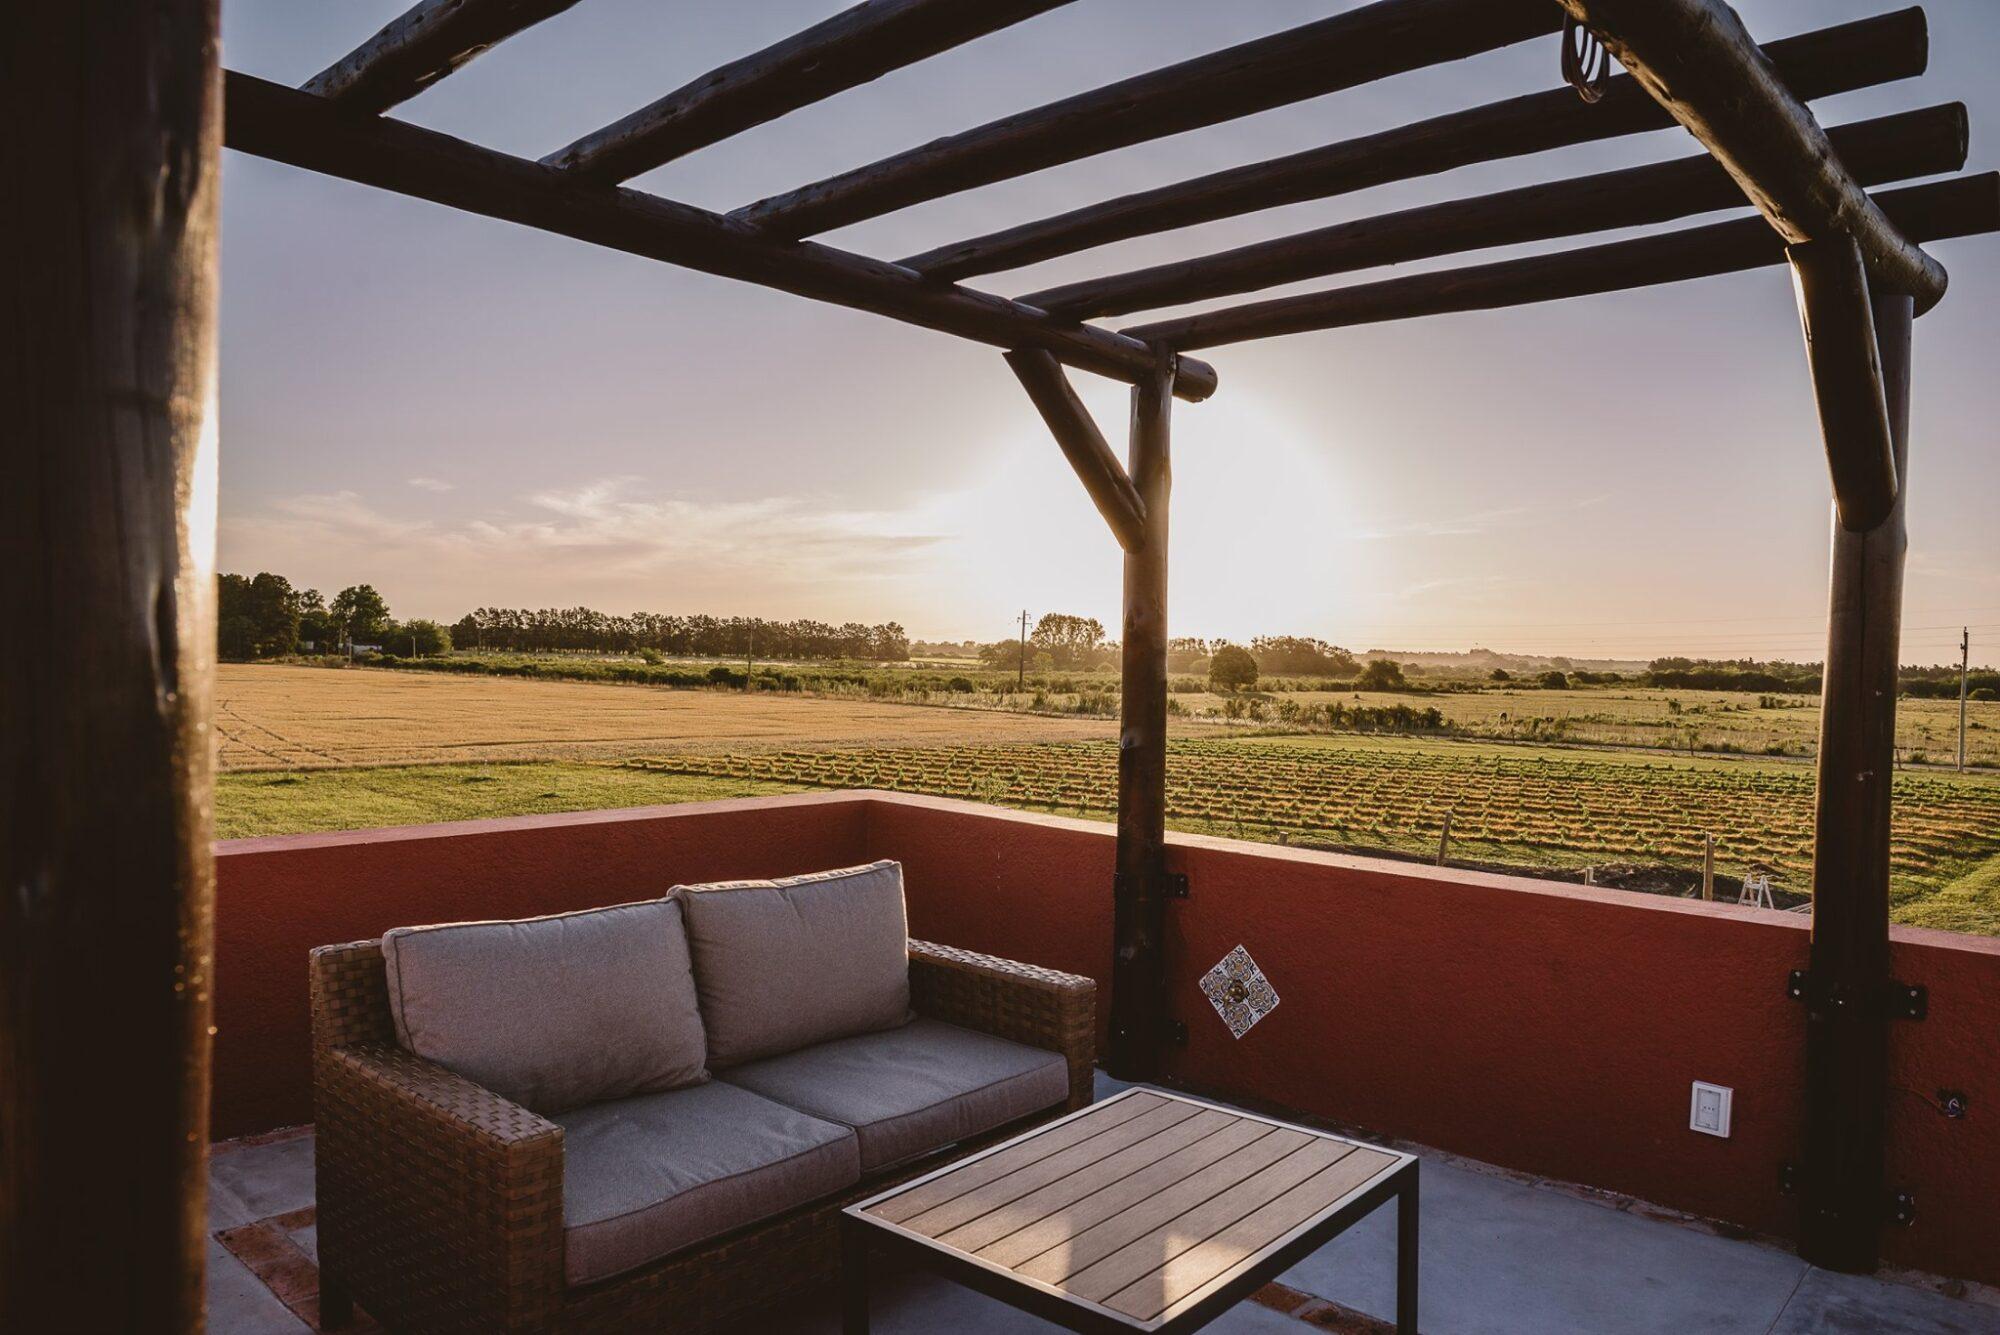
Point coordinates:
[(107, 587)]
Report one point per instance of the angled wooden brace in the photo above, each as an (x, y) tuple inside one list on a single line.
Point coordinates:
[(1110, 488), (1837, 309)]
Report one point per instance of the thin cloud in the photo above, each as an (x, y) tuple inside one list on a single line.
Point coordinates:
[(605, 542), (432, 484)]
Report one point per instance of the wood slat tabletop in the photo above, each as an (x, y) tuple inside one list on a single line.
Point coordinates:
[(1137, 1203)]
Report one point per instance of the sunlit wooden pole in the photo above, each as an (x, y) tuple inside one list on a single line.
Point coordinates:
[(1138, 974), (1841, 1184), (107, 538)]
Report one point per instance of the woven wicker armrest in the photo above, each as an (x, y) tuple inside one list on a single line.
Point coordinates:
[(1044, 1008), (440, 1202)]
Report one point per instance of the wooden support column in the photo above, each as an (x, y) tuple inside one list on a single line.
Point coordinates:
[(1843, 1195), (1138, 972), (107, 590)]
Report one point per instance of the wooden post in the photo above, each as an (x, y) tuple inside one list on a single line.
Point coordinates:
[(107, 588), (1138, 971), (1842, 1188), (1708, 866)]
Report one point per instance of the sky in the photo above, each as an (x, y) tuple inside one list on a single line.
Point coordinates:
[(463, 412)]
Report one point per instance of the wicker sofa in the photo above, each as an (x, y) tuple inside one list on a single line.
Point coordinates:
[(441, 1203)]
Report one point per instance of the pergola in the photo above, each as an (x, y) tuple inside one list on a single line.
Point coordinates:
[(119, 117)]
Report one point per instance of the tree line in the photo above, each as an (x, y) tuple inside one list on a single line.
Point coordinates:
[(583, 629), (263, 616)]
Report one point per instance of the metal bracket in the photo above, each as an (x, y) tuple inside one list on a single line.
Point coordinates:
[(1895, 1001), (1788, 1179), (1177, 885), (1177, 1033)]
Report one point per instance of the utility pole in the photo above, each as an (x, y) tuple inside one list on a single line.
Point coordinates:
[(749, 656), (1964, 671), (1021, 676)]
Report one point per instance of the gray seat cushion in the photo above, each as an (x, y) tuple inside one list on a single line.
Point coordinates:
[(645, 1177), (784, 964), (911, 1090), (554, 1012)]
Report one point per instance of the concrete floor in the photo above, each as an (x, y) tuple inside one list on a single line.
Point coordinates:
[(1499, 1255)]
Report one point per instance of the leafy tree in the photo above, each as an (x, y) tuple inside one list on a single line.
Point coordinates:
[(1071, 641), (1300, 656), (1553, 681), (1231, 668), (418, 638), (274, 615), (1184, 652), (359, 615), (314, 627), (1382, 674), (1500, 674)]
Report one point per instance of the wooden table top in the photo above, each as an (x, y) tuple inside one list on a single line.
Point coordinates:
[(1137, 1205)]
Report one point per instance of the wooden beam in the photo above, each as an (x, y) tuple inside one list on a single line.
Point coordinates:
[(1842, 1181), (1837, 313), (421, 46), (853, 47), (1139, 1011), (285, 125), (1697, 59), (1932, 212), (107, 590), (1082, 444), (1915, 143), (1813, 65), (1373, 42)]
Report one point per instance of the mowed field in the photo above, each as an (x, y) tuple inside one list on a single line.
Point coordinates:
[(283, 717), (323, 749)]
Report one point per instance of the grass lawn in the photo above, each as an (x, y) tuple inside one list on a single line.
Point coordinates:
[(312, 801), (1969, 904)]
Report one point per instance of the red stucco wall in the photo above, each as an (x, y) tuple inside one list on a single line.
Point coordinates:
[(278, 898), (1546, 1028)]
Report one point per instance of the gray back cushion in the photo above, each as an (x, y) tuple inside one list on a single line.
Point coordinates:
[(553, 1013), (782, 965)]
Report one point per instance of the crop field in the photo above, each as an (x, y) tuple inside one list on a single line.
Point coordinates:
[(279, 717), (1538, 808), (307, 748), (1662, 719), (1620, 715)]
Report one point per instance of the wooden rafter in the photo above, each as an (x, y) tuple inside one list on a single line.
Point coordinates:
[(289, 126), (1889, 148), (1373, 42), (1813, 65), (853, 47), (1960, 207), (1082, 444), (422, 45), (1838, 314), (1697, 60)]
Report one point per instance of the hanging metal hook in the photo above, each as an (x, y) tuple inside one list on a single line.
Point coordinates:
[(1586, 65)]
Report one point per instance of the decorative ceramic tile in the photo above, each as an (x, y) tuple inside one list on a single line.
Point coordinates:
[(1239, 991)]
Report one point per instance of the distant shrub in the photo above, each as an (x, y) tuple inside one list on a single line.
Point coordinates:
[(1552, 681), (1382, 674), (1982, 693)]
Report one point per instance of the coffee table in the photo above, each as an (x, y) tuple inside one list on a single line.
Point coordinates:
[(1149, 1211)]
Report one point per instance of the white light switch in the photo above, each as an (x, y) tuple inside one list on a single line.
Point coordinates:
[(1709, 1111)]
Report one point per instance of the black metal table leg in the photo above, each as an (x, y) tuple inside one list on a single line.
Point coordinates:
[(1406, 1256), (853, 1278)]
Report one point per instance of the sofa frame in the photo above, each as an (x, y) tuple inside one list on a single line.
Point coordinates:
[(440, 1203)]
